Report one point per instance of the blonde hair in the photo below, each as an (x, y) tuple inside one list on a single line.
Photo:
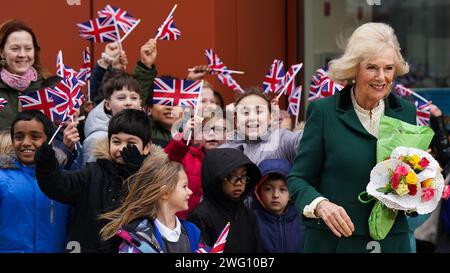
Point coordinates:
[(155, 178), (366, 42), (6, 145)]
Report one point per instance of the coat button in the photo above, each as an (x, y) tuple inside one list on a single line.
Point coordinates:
[(109, 190)]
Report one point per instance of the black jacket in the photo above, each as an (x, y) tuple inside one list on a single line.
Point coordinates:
[(96, 189), (216, 209), (441, 142)]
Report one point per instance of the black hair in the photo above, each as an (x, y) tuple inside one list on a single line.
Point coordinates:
[(28, 115), (275, 176), (133, 122), (115, 79)]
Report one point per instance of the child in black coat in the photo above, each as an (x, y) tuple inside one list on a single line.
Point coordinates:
[(99, 186), (227, 177)]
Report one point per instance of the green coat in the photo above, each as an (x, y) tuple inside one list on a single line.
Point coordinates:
[(11, 110), (334, 160)]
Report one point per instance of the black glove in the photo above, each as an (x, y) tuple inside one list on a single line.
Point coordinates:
[(45, 159), (132, 158)]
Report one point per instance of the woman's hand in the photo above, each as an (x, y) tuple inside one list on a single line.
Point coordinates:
[(336, 218)]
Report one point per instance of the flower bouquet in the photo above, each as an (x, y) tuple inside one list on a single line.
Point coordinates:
[(410, 180)]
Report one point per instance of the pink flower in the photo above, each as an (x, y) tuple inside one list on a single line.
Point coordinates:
[(446, 192), (424, 163), (401, 170), (427, 194), (395, 180)]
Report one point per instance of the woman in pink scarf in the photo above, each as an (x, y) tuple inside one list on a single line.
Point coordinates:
[(20, 68)]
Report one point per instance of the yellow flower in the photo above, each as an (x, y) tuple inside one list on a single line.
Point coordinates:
[(411, 178), (402, 189), (427, 183), (414, 159)]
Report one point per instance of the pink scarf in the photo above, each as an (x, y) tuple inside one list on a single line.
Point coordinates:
[(19, 82)]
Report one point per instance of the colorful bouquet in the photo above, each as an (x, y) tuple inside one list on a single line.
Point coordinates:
[(410, 180)]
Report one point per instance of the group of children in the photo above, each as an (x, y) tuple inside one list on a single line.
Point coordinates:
[(140, 189)]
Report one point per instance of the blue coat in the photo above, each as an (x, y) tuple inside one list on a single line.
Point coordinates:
[(25, 212), (279, 233)]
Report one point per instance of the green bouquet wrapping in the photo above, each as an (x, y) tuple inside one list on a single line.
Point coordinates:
[(394, 133), (381, 221)]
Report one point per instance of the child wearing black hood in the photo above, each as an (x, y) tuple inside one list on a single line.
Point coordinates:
[(227, 177)]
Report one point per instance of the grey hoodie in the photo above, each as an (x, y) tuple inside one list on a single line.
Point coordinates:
[(96, 128)]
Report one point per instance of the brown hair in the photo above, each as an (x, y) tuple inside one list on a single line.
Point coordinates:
[(6, 145), (155, 178), (116, 79), (254, 91), (15, 25)]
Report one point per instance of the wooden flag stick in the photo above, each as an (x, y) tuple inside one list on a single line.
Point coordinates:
[(298, 105), (289, 82), (57, 130), (164, 23), (88, 90), (196, 112), (132, 28), (222, 70), (119, 41)]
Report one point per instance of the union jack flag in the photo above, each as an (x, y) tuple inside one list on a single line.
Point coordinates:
[(402, 90), (99, 30), (85, 71), (322, 86), (175, 92), (294, 101), (219, 246), (214, 61), (225, 78), (274, 77), (168, 31), (423, 112), (124, 20), (3, 103), (62, 70), (67, 97), (40, 100), (289, 79)]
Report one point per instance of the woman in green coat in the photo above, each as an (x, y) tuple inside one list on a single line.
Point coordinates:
[(338, 147), (20, 68)]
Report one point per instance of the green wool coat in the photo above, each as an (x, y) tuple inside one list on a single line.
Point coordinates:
[(9, 113), (334, 160)]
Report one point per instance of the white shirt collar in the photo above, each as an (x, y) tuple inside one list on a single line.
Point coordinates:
[(171, 235)]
